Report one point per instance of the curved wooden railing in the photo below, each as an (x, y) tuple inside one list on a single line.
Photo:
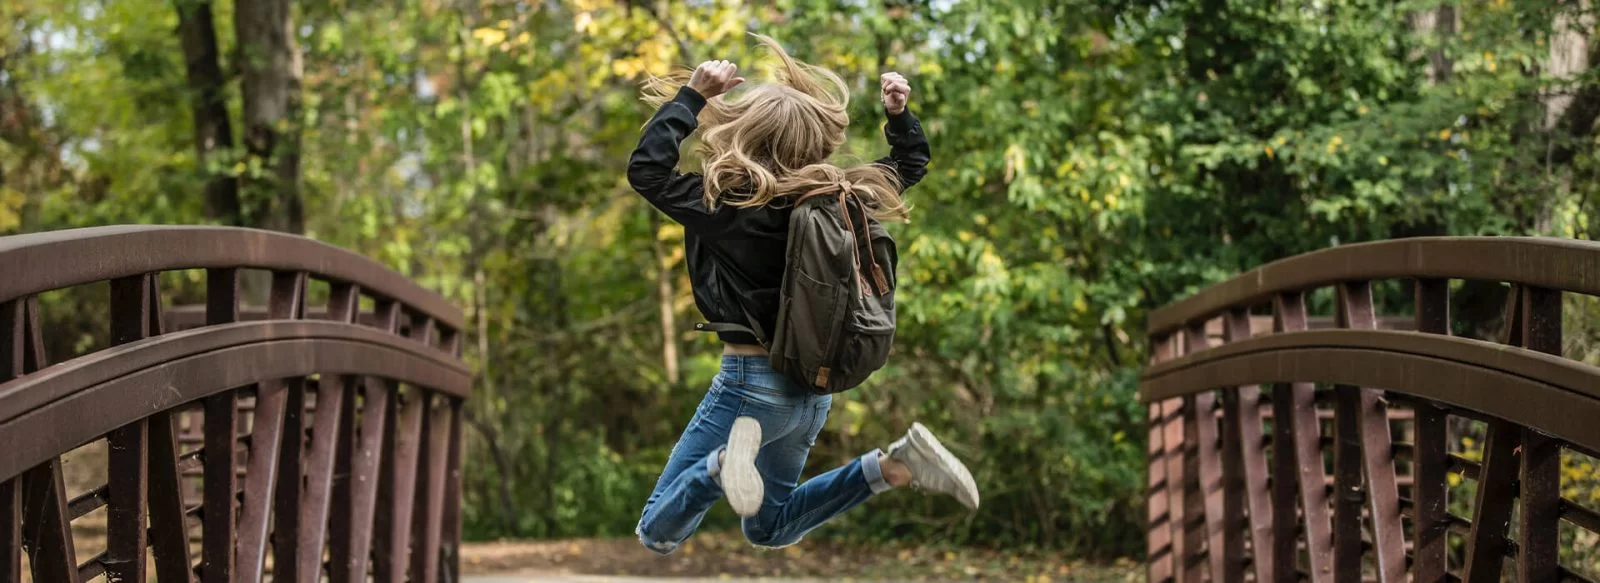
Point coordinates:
[(340, 435), (1244, 432)]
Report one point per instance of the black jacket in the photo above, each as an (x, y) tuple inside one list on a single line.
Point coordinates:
[(736, 255)]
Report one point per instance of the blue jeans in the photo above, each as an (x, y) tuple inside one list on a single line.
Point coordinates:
[(790, 419)]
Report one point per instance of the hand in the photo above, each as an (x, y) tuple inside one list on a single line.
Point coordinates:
[(896, 92), (713, 78)]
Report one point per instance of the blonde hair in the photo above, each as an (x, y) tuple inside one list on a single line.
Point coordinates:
[(773, 141)]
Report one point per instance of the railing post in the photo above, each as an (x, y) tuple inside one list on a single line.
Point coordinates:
[(1297, 456), (1538, 528), (1430, 460), (1245, 469)]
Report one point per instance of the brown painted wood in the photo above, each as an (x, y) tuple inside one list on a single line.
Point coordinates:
[(128, 447), (319, 474), (12, 334), (429, 522), (397, 489), (1246, 504), (1172, 438), (1158, 525), (1377, 452), (377, 414), (268, 435), (1491, 510), (1203, 411), (221, 426), (450, 569), (1430, 462), (169, 539), (289, 492), (1295, 407), (10, 529), (45, 529), (1539, 519), (339, 515), (1193, 565)]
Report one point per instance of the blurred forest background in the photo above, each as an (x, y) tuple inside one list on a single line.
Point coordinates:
[(1092, 160)]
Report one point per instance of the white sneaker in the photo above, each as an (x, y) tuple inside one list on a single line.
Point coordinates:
[(933, 468), (740, 480)]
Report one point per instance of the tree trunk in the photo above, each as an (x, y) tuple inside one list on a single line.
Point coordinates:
[(270, 79), (213, 133), (665, 295)]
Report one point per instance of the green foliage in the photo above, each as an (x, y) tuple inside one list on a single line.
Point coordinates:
[(1092, 160)]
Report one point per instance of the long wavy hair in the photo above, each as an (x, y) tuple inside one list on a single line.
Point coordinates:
[(772, 142)]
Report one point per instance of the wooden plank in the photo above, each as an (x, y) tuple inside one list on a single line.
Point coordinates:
[(1246, 503), (1491, 514), (267, 440), (450, 570), (396, 490), (46, 532), (1172, 438), (429, 524), (10, 530), (1202, 411), (169, 528), (1430, 460), (13, 327), (340, 514), (221, 481), (334, 414), (1376, 452), (366, 466), (1297, 429), (128, 447), (319, 475), (291, 479), (1539, 519), (1158, 523)]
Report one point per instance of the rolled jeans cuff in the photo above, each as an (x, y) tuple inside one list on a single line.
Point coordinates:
[(713, 466), (874, 472)]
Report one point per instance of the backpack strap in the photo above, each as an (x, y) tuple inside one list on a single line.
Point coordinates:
[(754, 329)]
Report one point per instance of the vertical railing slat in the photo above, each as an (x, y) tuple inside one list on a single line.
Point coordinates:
[(343, 306), (1539, 519), (221, 427), (10, 529), (127, 447), (1298, 455), (397, 488), (429, 523), (1158, 512), (1375, 451), (1430, 462), (267, 437), (1203, 411), (367, 463), (1246, 504), (169, 527), (13, 325), (450, 570)]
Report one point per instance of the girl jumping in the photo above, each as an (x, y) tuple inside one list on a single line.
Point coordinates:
[(749, 438)]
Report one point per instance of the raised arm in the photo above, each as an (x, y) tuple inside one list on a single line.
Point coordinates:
[(653, 167), (908, 145)]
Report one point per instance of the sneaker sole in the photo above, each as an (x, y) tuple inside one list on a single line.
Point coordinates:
[(740, 480), (924, 440)]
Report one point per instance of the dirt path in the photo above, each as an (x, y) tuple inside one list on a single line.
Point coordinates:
[(727, 557)]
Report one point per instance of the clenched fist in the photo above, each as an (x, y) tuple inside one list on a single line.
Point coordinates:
[(896, 92), (713, 78)]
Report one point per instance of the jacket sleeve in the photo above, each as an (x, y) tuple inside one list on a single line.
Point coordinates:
[(908, 148), (653, 172)]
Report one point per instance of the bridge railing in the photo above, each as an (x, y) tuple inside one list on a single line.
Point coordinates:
[(1297, 454), (344, 463)]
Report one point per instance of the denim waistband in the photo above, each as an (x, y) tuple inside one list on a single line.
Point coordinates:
[(755, 375)]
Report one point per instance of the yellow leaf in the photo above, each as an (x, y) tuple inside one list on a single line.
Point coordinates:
[(964, 236), (489, 36), (1268, 149), (1444, 134)]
